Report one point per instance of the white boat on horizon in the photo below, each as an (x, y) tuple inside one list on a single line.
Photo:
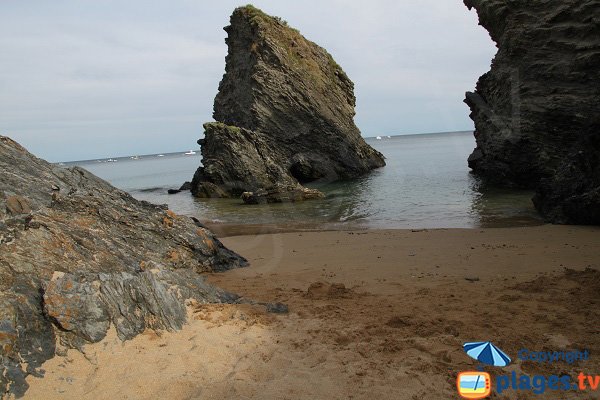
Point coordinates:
[(378, 138), (160, 155), (189, 153)]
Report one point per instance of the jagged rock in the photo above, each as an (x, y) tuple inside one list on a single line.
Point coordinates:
[(281, 195), (209, 190), (236, 160), (85, 304), (74, 261), (285, 114), (536, 111)]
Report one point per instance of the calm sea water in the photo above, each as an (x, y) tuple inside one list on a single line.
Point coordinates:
[(426, 184)]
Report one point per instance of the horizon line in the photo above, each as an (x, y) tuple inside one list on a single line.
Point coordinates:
[(95, 159)]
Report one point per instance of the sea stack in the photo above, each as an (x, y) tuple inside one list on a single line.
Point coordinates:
[(536, 111), (285, 117), (78, 256)]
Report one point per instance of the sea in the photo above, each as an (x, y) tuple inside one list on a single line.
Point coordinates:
[(425, 184)]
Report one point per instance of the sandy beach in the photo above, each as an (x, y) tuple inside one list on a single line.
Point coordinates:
[(382, 201), (372, 315)]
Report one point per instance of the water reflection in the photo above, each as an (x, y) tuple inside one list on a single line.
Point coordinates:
[(499, 207), (426, 184)]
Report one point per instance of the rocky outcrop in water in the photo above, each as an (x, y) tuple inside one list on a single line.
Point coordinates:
[(536, 111), (285, 114), (78, 255)]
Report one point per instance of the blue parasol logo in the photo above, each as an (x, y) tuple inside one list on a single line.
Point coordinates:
[(487, 353)]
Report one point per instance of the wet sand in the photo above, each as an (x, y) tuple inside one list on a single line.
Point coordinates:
[(373, 315)]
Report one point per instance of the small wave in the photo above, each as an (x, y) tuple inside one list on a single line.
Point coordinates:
[(349, 218)]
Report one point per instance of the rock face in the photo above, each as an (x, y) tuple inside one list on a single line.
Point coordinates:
[(285, 114), (536, 111), (78, 255)]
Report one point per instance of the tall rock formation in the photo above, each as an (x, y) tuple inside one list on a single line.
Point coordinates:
[(285, 114), (78, 255), (536, 111)]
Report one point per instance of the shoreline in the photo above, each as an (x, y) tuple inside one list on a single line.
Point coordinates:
[(224, 230), (372, 314)]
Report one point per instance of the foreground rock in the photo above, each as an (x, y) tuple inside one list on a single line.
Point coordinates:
[(285, 114), (536, 111), (77, 255)]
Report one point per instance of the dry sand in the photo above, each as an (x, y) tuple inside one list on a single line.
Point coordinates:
[(373, 315)]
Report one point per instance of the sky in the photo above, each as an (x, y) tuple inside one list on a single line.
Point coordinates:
[(84, 79)]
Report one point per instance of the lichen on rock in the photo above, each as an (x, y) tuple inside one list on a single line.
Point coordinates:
[(284, 112)]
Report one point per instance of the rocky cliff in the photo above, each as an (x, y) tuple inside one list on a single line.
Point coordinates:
[(285, 112), (78, 255), (536, 111)]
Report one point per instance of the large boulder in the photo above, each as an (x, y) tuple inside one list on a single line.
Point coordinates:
[(536, 111), (284, 112), (78, 255)]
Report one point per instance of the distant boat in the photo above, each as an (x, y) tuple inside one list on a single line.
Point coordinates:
[(111, 160), (160, 155), (378, 138), (389, 137), (135, 158), (190, 153)]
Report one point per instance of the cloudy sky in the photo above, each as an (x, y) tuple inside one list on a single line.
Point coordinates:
[(83, 79)]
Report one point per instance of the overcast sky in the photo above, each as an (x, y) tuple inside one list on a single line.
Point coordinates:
[(84, 79)]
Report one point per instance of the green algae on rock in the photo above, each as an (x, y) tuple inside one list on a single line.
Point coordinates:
[(285, 116)]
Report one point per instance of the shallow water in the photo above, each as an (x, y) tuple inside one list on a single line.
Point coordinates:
[(426, 184)]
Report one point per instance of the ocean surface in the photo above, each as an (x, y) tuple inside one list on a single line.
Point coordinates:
[(426, 184)]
